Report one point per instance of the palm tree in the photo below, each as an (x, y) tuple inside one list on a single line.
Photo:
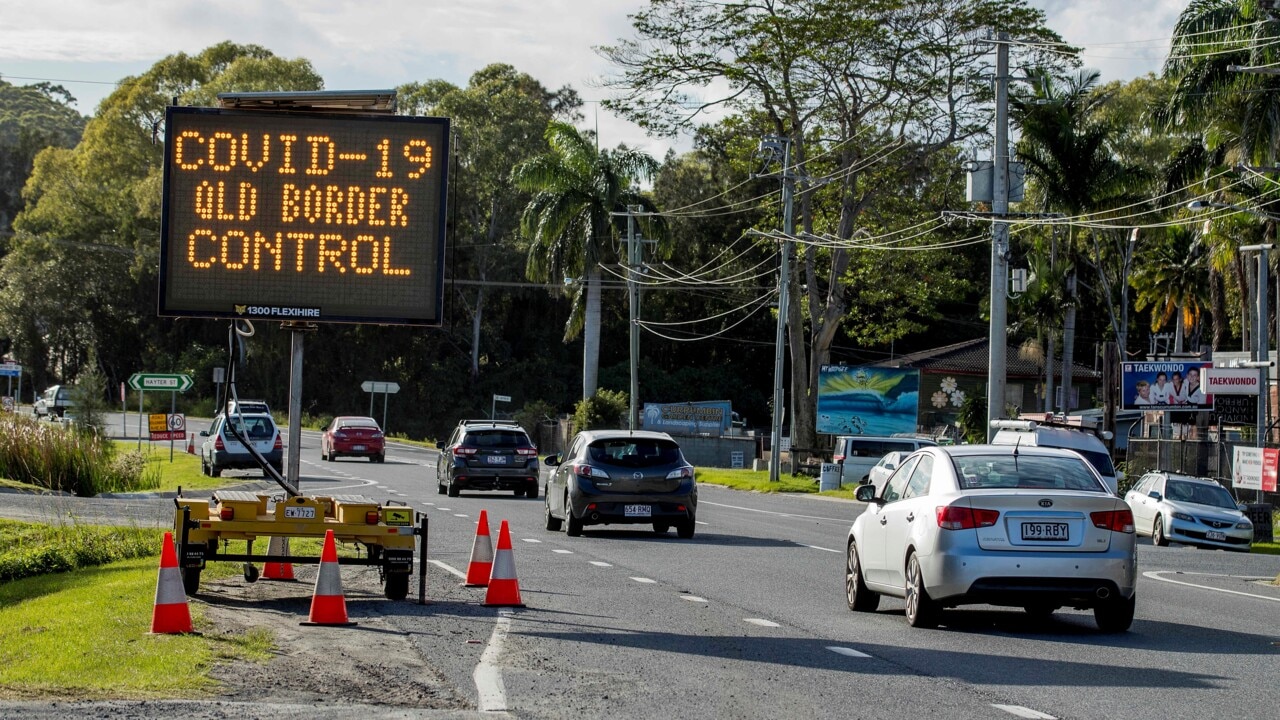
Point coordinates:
[(1066, 150), (1174, 281), (569, 225)]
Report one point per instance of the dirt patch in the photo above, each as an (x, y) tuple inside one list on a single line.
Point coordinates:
[(371, 663)]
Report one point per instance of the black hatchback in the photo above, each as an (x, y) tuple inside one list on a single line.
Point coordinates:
[(488, 455), (623, 477)]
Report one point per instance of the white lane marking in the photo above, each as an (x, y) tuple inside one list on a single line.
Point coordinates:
[(562, 552), (428, 504), (445, 509), (597, 563), (699, 522), (693, 598), (847, 652), (449, 568), (779, 514), (491, 695), (815, 547), (459, 515), (761, 622), (381, 487), (530, 540), (646, 581), (1023, 712), (1155, 575)]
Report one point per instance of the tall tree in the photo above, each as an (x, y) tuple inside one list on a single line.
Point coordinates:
[(850, 82), (1173, 281), (570, 226)]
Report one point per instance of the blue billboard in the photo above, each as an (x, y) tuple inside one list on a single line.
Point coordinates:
[(1164, 386), (708, 417), (867, 400)]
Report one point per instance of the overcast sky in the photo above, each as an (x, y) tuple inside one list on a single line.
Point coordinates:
[(372, 44)]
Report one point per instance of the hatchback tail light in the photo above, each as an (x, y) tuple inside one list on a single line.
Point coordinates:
[(527, 451), (958, 517), (279, 443), (460, 451), (680, 473), (590, 471), (218, 444), (1120, 521)]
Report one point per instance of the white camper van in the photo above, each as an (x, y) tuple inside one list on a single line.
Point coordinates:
[(1060, 431)]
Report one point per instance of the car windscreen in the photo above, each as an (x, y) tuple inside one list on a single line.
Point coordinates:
[(1200, 494), (1025, 471), (634, 452), (496, 439), (1100, 461)]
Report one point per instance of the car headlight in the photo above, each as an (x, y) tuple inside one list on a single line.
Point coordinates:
[(1244, 525), (1183, 516)]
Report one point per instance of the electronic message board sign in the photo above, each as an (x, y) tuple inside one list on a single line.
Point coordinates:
[(303, 216)]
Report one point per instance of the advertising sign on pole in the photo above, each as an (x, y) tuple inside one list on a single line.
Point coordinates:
[(1231, 381), (1165, 386), (1255, 468), (867, 400)]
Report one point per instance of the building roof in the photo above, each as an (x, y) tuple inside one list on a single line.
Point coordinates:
[(970, 358)]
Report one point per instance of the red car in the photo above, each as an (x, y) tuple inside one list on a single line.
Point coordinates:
[(355, 436)]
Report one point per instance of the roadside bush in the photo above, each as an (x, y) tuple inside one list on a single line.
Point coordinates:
[(605, 409), (31, 550), (47, 456)]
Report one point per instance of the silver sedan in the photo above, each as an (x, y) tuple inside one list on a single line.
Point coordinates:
[(1190, 510), (1002, 525)]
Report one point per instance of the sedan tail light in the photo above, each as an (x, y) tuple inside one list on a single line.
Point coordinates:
[(463, 451), (1120, 521), (958, 517)]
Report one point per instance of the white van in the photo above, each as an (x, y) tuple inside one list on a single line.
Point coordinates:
[(1058, 431), (857, 454)]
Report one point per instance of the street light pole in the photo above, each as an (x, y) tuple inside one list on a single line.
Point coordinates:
[(784, 298), (996, 355)]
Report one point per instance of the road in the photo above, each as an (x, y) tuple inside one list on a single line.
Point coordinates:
[(748, 620)]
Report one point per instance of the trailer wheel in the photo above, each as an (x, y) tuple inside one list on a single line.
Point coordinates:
[(191, 580), (250, 573), (397, 586)]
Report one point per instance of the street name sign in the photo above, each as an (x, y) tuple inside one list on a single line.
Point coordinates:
[(10, 370), (374, 386), (155, 381)]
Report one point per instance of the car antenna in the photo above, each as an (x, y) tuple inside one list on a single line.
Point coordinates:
[(1017, 443)]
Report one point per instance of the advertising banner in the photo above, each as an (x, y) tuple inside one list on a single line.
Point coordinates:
[(1165, 386), (1255, 468), (867, 400), (1232, 381), (688, 418)]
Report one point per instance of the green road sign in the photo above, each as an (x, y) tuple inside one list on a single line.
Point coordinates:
[(156, 381)]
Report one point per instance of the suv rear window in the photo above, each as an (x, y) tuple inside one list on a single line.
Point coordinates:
[(631, 452), (496, 439)]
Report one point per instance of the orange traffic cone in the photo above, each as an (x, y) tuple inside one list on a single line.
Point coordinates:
[(504, 589), (191, 444), (171, 614), (278, 570), (481, 555), (328, 606)]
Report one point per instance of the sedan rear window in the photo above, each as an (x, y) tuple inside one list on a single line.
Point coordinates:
[(1025, 471), (632, 452)]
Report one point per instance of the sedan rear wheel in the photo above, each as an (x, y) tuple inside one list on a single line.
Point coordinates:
[(855, 588), (1157, 533), (922, 611), (1115, 614)]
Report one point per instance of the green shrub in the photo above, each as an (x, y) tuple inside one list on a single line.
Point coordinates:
[(31, 550), (47, 456), (605, 409)]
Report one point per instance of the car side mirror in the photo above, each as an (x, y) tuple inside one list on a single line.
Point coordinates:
[(867, 493), (551, 460), (1242, 507), (1155, 495), (204, 433)]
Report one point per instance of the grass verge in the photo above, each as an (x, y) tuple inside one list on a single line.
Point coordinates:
[(758, 481)]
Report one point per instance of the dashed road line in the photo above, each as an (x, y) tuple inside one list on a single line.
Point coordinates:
[(443, 509), (847, 652), (699, 522), (1024, 712), (562, 551), (462, 515), (815, 547), (530, 540), (693, 598), (775, 512), (598, 563), (645, 580), (761, 622)]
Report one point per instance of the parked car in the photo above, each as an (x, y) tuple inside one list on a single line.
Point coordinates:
[(53, 402), (1059, 432), (621, 477), (1000, 525), (488, 455), (355, 437), (857, 454), (221, 449), (1170, 507), (879, 474)]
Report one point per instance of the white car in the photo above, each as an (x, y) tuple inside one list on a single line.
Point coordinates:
[(1001, 525), (879, 474), (1188, 510)]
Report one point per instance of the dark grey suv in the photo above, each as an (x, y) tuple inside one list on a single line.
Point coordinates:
[(620, 476), (488, 455)]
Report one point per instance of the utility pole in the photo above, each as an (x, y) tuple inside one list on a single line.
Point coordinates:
[(633, 296), (784, 292), (1261, 351), (997, 340)]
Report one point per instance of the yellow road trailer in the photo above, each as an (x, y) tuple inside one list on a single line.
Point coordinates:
[(387, 532)]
